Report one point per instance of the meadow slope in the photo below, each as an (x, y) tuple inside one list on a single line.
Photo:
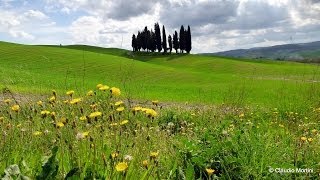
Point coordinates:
[(177, 78)]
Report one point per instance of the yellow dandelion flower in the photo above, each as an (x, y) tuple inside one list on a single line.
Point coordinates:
[(75, 101), (155, 102), (241, 115), (118, 103), (83, 118), (145, 163), (154, 155), (114, 155), (70, 93), (120, 109), (99, 86), (59, 124), (37, 133), (95, 114), (104, 88), (39, 103), (66, 101), (15, 108), (45, 113), (19, 125), (7, 101), (90, 93), (1, 118), (122, 166), (114, 124), (210, 171), (137, 108), (93, 106), (52, 99), (193, 114), (124, 122), (151, 113), (310, 139), (85, 134), (314, 131), (303, 138), (115, 91)]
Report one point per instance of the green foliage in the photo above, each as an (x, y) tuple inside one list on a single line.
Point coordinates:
[(50, 167)]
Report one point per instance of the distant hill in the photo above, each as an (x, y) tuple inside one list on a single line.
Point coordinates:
[(305, 52)]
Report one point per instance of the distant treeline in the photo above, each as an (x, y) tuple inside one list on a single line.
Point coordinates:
[(150, 40)]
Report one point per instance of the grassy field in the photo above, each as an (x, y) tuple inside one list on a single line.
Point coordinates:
[(173, 116)]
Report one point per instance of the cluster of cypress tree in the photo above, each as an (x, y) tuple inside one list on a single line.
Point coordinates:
[(150, 41)]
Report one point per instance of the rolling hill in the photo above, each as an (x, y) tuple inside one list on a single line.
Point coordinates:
[(305, 52), (176, 78)]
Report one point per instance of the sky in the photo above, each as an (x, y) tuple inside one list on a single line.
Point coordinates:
[(216, 25)]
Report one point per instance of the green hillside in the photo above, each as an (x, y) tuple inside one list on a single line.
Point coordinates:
[(174, 78)]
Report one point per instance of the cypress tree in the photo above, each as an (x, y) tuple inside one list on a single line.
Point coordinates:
[(139, 44), (134, 43), (175, 41), (170, 43), (188, 40), (164, 42), (158, 37), (182, 41)]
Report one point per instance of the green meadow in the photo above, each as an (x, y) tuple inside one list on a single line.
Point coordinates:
[(83, 112)]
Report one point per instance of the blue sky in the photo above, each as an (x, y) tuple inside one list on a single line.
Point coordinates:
[(216, 25)]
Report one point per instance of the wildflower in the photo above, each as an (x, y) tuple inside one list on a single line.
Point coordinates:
[(66, 101), (39, 103), (241, 115), (93, 106), (155, 102), (114, 124), (95, 114), (90, 93), (281, 125), (59, 124), (82, 135), (104, 88), (53, 115), (115, 91), (70, 93), (118, 103), (128, 157), (210, 171), (145, 163), (37, 133), (120, 109), (303, 138), (7, 101), (15, 108), (1, 118), (124, 122), (114, 155), (83, 118), (75, 101), (137, 108), (99, 86), (314, 131), (310, 139), (52, 99), (154, 155), (151, 113), (44, 113), (122, 166), (193, 114)]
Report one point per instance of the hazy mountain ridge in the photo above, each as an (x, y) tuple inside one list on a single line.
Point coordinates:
[(296, 52)]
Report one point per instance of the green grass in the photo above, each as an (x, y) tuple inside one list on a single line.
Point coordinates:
[(177, 78), (242, 118)]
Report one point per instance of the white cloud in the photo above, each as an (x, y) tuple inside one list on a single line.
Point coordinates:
[(35, 14), (21, 34)]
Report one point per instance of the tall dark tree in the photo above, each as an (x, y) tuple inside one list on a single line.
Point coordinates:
[(175, 41), (188, 40), (182, 39), (164, 42), (154, 41), (139, 41), (170, 43), (158, 37), (134, 43)]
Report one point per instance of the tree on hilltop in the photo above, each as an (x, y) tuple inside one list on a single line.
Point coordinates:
[(158, 37), (175, 41), (188, 40), (170, 43), (182, 39), (164, 42)]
